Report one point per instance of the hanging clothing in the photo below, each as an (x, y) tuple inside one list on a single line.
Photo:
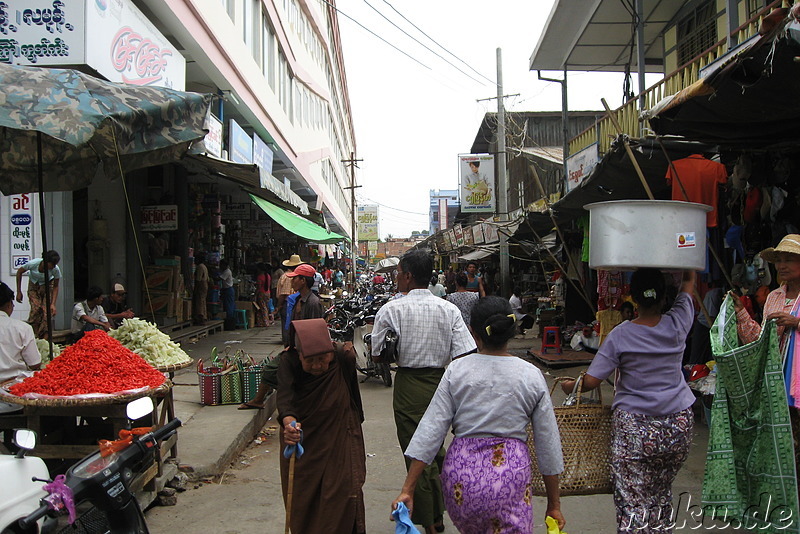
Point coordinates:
[(700, 178)]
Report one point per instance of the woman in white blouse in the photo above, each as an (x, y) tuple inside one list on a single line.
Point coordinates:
[(488, 398)]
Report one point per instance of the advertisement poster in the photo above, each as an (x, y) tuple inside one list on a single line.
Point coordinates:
[(262, 155), (459, 233), (241, 144), (580, 165), (367, 222), (213, 139), (21, 234), (477, 234), (476, 179)]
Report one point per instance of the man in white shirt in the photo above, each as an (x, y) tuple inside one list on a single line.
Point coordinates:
[(89, 314), (432, 333), (18, 352)]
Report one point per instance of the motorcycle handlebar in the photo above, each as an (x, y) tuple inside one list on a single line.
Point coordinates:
[(28, 521)]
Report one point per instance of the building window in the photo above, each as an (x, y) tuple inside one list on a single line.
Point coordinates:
[(269, 56), (228, 4), (754, 7), (697, 32)]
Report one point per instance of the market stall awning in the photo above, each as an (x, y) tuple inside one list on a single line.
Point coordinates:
[(296, 224), (748, 102), (479, 254), (248, 175)]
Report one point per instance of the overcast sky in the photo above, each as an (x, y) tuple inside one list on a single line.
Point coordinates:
[(414, 116)]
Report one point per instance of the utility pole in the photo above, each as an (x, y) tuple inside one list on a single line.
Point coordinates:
[(353, 164), (502, 178)]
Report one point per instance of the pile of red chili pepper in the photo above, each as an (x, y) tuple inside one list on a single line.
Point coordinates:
[(97, 363)]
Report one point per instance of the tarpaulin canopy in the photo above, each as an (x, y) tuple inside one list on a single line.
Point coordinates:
[(749, 102), (479, 253), (85, 124), (296, 224), (248, 175)]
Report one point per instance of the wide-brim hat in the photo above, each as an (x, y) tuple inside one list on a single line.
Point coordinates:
[(789, 244), (294, 261)]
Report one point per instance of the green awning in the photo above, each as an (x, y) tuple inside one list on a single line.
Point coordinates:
[(296, 224)]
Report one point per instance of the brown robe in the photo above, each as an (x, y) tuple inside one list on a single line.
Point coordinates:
[(328, 479)]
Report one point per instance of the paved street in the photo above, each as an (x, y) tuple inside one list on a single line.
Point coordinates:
[(246, 498)]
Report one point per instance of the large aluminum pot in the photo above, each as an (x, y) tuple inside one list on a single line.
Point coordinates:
[(663, 234)]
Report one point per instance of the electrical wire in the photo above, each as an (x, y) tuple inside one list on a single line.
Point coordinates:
[(391, 208), (339, 11), (426, 47), (493, 82)]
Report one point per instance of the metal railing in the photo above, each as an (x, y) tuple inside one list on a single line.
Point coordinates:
[(603, 131)]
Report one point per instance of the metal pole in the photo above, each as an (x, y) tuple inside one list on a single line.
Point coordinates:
[(353, 244), (640, 67), (502, 180), (565, 126)]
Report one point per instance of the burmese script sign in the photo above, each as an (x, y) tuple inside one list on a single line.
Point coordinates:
[(476, 176), (159, 218), (20, 230), (38, 32)]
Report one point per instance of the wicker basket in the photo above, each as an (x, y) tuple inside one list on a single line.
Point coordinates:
[(586, 445), (60, 402), (231, 382), (252, 374), (209, 380), (174, 367)]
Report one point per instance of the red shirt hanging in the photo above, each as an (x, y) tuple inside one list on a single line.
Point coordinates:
[(700, 177)]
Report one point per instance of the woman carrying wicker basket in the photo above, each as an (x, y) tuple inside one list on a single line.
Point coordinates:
[(652, 422), (489, 398)]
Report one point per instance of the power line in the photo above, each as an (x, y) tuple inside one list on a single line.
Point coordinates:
[(422, 44), (396, 209), (493, 82), (375, 34)]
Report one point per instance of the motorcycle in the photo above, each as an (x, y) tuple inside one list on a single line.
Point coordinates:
[(22, 476), (358, 329), (103, 478)]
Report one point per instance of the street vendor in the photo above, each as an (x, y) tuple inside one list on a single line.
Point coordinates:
[(18, 352), (783, 306), (37, 317), (88, 314), (116, 307)]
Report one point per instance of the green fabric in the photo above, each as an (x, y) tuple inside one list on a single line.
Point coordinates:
[(750, 467), (296, 224), (413, 391)]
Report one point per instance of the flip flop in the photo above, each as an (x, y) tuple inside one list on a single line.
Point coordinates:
[(250, 406)]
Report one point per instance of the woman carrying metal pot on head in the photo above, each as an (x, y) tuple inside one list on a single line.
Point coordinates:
[(652, 422)]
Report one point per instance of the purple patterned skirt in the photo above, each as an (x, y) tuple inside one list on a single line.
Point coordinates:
[(486, 484)]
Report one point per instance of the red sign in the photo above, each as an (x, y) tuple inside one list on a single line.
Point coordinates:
[(148, 60), (159, 218)]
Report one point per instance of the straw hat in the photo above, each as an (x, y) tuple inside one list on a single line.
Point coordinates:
[(790, 244), (294, 261)]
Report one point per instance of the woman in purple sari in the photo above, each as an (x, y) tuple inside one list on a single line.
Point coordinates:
[(489, 398)]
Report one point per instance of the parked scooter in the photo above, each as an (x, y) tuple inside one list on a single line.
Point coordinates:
[(22, 478), (103, 478), (358, 329)]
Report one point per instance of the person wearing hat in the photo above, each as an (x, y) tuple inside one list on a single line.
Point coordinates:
[(319, 407), (783, 306), (302, 305), (115, 306), (283, 290)]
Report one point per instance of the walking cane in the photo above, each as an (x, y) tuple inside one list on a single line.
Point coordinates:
[(292, 452), (289, 492)]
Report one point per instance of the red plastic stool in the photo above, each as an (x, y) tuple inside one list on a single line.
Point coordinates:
[(551, 339)]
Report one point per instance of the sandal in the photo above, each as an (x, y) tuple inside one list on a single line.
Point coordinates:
[(249, 405)]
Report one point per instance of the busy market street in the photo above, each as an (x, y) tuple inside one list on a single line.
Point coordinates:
[(341, 266)]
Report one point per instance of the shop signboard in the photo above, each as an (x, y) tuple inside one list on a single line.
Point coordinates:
[(580, 165), (20, 230), (262, 155), (238, 210), (123, 46), (159, 218), (443, 214), (459, 234), (451, 236), (241, 144), (477, 234), (476, 179), (111, 36), (490, 233), (367, 222), (42, 32), (213, 139), (372, 246), (468, 237)]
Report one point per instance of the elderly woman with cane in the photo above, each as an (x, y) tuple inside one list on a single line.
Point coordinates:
[(319, 408), (489, 398)]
